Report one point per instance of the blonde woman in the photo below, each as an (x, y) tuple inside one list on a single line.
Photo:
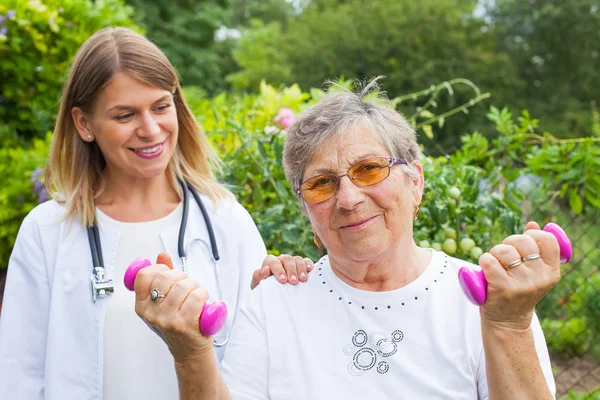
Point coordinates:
[(130, 173)]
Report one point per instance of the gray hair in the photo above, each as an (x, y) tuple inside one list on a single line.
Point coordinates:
[(334, 113)]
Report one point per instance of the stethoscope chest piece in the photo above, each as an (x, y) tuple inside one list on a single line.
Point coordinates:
[(100, 287)]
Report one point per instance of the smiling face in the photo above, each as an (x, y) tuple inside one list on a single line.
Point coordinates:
[(362, 223), (134, 125)]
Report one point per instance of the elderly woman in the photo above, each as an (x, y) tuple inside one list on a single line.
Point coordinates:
[(380, 317)]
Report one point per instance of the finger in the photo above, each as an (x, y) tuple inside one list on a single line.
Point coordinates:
[(493, 270), (291, 271), (178, 292), (191, 308), (165, 279), (275, 266), (310, 265), (144, 278), (525, 245), (165, 258), (302, 269), (258, 276), (532, 225), (547, 245), (508, 256)]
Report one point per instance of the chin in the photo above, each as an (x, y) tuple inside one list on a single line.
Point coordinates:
[(365, 251), (153, 172)]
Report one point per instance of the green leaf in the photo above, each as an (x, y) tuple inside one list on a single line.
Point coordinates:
[(441, 122), (575, 202), (428, 131)]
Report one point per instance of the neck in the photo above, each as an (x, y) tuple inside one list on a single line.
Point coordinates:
[(391, 270), (131, 199)]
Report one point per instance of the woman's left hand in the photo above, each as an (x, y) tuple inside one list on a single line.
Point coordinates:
[(513, 292), (285, 268)]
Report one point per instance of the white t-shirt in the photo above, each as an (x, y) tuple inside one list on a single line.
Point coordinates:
[(324, 339), (147, 371)]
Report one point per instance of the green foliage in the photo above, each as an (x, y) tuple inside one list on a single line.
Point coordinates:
[(412, 43), (423, 118), (243, 130), (457, 215), (184, 30), (40, 41), (20, 182), (568, 169), (557, 68), (262, 60), (188, 32)]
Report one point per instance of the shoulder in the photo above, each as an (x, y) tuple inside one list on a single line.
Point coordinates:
[(456, 263), (274, 292), (49, 213), (228, 211)]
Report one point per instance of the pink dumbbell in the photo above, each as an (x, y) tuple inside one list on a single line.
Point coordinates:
[(213, 315), (473, 282)]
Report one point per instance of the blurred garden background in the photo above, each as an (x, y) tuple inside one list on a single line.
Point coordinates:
[(503, 94)]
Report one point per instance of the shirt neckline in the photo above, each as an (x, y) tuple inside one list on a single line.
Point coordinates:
[(104, 219), (435, 272)]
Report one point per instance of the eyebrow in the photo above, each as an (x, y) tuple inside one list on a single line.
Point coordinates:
[(122, 107)]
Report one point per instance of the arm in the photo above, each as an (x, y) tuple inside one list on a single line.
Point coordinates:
[(513, 363), (24, 319), (174, 319), (211, 387), (517, 362)]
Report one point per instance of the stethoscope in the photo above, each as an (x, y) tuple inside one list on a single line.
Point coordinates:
[(101, 287)]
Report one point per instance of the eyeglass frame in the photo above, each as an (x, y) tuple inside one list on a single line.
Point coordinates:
[(391, 162)]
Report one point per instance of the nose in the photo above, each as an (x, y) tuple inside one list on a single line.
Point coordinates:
[(348, 194), (149, 126)]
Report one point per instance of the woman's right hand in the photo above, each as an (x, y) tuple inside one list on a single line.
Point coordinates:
[(285, 268), (173, 317)]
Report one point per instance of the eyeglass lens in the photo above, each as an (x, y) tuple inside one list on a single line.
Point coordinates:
[(364, 173)]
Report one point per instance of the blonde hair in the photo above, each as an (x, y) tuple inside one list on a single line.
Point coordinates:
[(74, 168)]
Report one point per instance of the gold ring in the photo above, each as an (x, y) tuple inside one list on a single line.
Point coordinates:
[(513, 264)]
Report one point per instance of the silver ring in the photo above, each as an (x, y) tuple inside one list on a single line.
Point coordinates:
[(531, 257), (513, 264), (155, 295)]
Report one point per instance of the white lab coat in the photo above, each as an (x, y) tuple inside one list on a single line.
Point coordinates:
[(51, 332)]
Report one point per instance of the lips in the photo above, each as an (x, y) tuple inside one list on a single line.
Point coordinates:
[(148, 149), (357, 223)]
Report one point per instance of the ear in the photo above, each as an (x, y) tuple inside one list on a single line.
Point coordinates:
[(82, 124), (418, 183)]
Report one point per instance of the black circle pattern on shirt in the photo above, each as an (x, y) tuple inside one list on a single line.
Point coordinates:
[(383, 367), (366, 357), (360, 338)]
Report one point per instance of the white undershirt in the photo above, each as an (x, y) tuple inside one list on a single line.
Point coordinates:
[(137, 363)]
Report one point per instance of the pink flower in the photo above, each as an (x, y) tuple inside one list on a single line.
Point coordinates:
[(285, 118)]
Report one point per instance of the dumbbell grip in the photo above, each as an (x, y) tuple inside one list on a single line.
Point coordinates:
[(474, 284), (214, 315)]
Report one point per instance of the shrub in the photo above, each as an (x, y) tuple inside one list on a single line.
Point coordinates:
[(21, 189), (38, 39)]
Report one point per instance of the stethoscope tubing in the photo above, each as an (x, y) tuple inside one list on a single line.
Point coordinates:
[(97, 279)]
